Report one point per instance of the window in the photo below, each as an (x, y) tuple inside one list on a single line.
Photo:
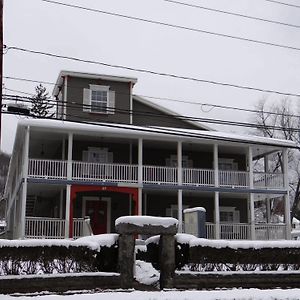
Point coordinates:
[(172, 161), (227, 164), (229, 214), (99, 99)]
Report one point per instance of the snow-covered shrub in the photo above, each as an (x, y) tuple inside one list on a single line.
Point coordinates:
[(58, 256)]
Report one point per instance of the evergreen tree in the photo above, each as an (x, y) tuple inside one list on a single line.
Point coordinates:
[(41, 104)]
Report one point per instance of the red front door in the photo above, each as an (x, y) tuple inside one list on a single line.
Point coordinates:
[(97, 211)]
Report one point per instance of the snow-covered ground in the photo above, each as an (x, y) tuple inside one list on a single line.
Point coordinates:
[(236, 294)]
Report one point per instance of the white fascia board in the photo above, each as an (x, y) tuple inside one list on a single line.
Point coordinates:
[(153, 133), (63, 73), (169, 112)]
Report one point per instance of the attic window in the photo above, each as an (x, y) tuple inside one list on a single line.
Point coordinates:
[(99, 99)]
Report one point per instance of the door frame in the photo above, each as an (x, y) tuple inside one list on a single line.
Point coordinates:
[(108, 208)]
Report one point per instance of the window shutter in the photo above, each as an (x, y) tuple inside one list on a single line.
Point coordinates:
[(86, 100), (111, 103)]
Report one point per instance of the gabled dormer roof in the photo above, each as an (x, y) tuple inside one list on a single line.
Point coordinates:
[(64, 73)]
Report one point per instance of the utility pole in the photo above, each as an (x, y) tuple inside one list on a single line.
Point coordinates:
[(1, 63)]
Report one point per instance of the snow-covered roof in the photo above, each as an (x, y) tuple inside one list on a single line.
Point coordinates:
[(63, 73), (153, 133), (167, 111)]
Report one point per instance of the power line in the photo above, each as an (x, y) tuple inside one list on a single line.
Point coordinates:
[(146, 71), (283, 3), (166, 131), (174, 26), (163, 116), (232, 13), (212, 106)]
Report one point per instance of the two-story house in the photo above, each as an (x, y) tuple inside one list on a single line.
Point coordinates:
[(110, 153)]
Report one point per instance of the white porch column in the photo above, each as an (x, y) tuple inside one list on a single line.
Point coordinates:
[(140, 176), (25, 158), (179, 178), (251, 195), (217, 194), (69, 177), (287, 208), (268, 207)]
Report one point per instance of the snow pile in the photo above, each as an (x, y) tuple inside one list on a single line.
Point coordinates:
[(147, 220), (94, 242), (243, 244), (184, 238), (102, 240), (193, 209), (145, 273), (153, 240)]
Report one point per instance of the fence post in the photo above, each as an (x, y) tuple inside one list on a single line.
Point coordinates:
[(126, 259)]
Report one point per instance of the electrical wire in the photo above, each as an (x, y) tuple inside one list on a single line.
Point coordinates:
[(232, 13), (164, 131), (149, 21), (157, 73), (177, 117), (283, 3), (202, 104)]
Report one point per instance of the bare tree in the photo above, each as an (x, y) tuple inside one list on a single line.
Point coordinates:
[(279, 120)]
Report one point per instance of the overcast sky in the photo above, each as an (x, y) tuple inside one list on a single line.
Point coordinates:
[(42, 26)]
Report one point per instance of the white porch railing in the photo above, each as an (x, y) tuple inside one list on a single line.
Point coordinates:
[(102, 172), (235, 231), (86, 171), (234, 178), (198, 177), (52, 169), (160, 175), (268, 180), (210, 230), (270, 231), (44, 228), (81, 227)]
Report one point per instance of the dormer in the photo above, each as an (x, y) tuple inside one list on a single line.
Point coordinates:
[(93, 97)]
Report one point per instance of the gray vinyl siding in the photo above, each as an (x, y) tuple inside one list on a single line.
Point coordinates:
[(75, 100), (140, 117)]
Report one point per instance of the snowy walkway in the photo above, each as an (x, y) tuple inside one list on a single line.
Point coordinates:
[(237, 294)]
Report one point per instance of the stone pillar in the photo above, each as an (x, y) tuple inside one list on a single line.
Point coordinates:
[(167, 260), (126, 259)]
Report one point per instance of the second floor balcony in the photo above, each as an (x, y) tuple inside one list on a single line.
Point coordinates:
[(151, 174)]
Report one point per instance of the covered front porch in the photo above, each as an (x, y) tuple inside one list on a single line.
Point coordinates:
[(93, 210)]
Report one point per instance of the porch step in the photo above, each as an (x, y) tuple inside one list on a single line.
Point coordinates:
[(30, 204)]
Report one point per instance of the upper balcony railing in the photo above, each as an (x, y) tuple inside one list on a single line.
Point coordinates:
[(86, 171)]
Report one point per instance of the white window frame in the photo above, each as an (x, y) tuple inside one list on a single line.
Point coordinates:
[(233, 166), (99, 88), (172, 161), (109, 108), (233, 210)]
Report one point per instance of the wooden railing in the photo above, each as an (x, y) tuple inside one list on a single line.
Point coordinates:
[(81, 227), (104, 172), (270, 231), (86, 171), (44, 228), (268, 180), (198, 177), (236, 231), (159, 175), (234, 178), (48, 169), (242, 231)]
